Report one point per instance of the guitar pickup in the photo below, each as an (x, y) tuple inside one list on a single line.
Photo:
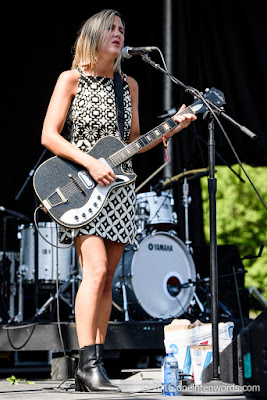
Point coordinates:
[(55, 199), (86, 179)]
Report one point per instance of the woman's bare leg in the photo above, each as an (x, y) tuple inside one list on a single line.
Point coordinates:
[(92, 255), (114, 251), (98, 259)]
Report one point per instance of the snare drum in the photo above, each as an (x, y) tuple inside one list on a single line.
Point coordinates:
[(47, 257), (161, 262), (155, 210)]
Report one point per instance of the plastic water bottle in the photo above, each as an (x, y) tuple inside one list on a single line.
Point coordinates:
[(170, 375)]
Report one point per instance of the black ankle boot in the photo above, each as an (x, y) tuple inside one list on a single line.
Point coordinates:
[(89, 375), (99, 355)]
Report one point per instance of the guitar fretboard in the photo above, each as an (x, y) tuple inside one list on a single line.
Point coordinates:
[(149, 137)]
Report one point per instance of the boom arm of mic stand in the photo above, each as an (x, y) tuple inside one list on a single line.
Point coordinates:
[(235, 123), (195, 92)]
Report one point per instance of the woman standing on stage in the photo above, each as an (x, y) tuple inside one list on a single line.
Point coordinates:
[(85, 98)]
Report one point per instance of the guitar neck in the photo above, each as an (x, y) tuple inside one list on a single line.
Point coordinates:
[(146, 139)]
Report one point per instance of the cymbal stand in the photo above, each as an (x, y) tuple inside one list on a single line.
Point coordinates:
[(20, 315), (21, 272), (71, 281), (186, 202), (124, 290), (142, 216)]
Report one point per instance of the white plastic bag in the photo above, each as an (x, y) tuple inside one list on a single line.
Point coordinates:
[(181, 334)]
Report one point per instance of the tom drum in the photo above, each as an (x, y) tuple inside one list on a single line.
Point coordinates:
[(155, 210), (47, 260)]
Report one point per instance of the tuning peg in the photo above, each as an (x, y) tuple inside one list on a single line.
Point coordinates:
[(207, 89)]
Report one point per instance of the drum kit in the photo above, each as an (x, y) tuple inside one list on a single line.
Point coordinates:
[(53, 265), (153, 278)]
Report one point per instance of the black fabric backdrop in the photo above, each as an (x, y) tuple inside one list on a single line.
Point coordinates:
[(220, 44)]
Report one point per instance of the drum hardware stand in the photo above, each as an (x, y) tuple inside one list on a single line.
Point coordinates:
[(186, 202), (122, 286), (142, 219), (207, 310), (125, 309), (12, 283), (19, 317), (174, 291), (12, 290), (200, 305), (4, 276), (71, 281), (125, 302)]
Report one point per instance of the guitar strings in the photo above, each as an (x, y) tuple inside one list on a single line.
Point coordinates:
[(69, 189), (119, 156)]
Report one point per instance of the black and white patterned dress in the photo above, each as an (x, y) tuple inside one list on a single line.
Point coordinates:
[(91, 116)]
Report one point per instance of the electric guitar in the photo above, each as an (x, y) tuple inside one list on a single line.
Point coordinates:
[(68, 192)]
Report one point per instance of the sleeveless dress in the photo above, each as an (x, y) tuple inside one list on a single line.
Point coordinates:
[(91, 116)]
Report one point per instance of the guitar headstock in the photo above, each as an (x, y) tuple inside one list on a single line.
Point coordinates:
[(214, 95)]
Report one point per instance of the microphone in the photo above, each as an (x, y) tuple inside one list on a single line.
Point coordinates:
[(128, 52)]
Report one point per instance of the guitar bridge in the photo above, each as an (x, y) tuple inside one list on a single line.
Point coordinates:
[(55, 199)]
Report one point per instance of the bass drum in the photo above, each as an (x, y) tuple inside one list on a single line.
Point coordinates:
[(150, 272)]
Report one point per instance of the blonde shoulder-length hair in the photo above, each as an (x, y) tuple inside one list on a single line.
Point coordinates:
[(91, 38)]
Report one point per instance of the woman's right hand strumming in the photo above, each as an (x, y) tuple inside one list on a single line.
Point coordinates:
[(100, 172)]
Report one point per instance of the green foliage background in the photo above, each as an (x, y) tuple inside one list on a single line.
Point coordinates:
[(241, 218)]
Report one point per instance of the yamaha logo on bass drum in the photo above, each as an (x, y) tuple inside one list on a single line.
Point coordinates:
[(160, 247)]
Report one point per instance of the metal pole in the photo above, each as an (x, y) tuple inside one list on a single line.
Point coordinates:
[(212, 186), (167, 85)]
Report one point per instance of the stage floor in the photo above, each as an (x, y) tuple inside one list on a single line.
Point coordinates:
[(47, 390)]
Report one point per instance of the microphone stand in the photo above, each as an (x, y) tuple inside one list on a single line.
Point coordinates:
[(216, 386)]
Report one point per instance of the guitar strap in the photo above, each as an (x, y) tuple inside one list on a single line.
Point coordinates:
[(119, 101)]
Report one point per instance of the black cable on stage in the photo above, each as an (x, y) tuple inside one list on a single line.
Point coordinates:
[(10, 328)]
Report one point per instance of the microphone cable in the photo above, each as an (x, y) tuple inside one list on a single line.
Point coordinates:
[(66, 357)]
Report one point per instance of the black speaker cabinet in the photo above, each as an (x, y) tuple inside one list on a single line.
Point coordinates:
[(244, 361), (254, 352)]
